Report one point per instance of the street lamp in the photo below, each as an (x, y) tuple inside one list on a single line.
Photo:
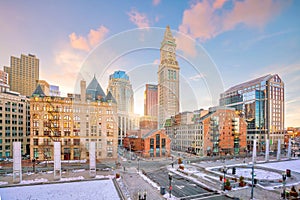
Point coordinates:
[(283, 182), (138, 159), (170, 183), (252, 174), (224, 171)]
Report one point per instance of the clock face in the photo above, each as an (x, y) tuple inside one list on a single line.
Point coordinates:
[(170, 49)]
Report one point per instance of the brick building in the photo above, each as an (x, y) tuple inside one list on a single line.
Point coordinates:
[(152, 144)]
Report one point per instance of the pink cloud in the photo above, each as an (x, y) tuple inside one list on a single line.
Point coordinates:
[(87, 43), (155, 2), (78, 42), (201, 21), (252, 13), (218, 4), (186, 45), (139, 19), (96, 36)]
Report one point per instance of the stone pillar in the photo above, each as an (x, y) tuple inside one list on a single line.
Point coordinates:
[(17, 162), (92, 153), (278, 150), (254, 152), (57, 161), (267, 150), (290, 149)]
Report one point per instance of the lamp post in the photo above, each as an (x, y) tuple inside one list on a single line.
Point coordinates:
[(224, 171), (252, 180), (138, 159), (283, 182), (170, 183)]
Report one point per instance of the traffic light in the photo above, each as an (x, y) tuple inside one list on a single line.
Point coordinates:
[(233, 170)]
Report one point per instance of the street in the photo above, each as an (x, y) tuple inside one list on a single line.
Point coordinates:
[(183, 188)]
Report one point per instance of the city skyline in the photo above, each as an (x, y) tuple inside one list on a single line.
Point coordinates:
[(242, 44)]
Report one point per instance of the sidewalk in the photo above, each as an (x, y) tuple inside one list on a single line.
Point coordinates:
[(135, 184)]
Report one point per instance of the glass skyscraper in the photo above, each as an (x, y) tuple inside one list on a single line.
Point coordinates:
[(261, 103)]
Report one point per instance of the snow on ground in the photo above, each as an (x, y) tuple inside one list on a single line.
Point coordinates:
[(260, 173), (149, 181), (89, 190), (3, 183), (37, 180), (72, 178), (293, 165)]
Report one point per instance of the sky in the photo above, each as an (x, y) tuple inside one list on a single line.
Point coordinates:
[(220, 43)]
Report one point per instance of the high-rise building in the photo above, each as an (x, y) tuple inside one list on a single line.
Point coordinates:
[(120, 87), (14, 120), (75, 121), (261, 103), (23, 74), (54, 91), (150, 100), (168, 79), (121, 90), (3, 81)]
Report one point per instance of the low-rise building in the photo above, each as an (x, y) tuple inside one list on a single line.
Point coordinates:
[(75, 121), (155, 143)]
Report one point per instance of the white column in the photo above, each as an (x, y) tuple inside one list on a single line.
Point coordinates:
[(267, 150), (290, 149), (92, 153), (57, 161), (17, 162), (254, 152), (278, 150)]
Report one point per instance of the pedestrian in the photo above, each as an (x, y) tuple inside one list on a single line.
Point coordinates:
[(124, 168)]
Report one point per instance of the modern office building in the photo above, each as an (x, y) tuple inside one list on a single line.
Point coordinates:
[(261, 103), (54, 91), (168, 79), (150, 100), (23, 74), (14, 123), (121, 89), (75, 121)]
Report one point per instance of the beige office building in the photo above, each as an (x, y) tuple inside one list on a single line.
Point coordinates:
[(23, 74), (168, 79)]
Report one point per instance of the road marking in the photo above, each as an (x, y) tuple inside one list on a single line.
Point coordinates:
[(196, 195), (218, 195), (180, 186)]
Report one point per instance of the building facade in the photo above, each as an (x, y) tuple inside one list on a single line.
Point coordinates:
[(14, 123), (3, 81), (185, 134), (261, 103), (75, 121), (150, 100), (168, 79), (224, 132), (23, 74), (218, 131), (121, 89), (152, 144)]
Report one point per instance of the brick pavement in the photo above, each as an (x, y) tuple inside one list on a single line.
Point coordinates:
[(135, 184)]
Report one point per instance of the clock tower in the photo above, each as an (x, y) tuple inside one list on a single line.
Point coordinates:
[(168, 79)]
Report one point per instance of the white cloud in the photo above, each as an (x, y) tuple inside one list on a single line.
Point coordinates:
[(139, 19)]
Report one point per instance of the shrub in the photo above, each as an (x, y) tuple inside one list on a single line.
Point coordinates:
[(179, 161), (117, 175), (181, 167)]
